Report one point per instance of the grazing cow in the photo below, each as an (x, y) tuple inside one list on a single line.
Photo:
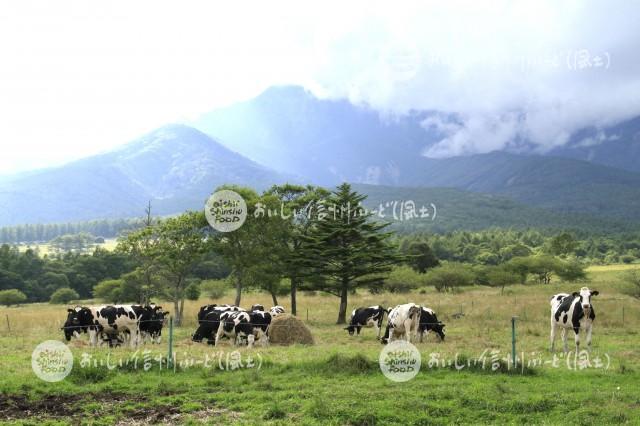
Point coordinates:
[(403, 321), (204, 310), (257, 307), (362, 317), (151, 318), (276, 310), (102, 319), (209, 325), (429, 322), (244, 325), (572, 311)]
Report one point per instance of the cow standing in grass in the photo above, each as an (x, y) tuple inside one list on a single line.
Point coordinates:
[(429, 322), (101, 320), (403, 321), (363, 317), (575, 312)]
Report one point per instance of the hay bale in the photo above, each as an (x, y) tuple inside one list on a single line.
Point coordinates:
[(286, 329)]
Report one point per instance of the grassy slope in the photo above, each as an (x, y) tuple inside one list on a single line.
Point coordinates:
[(338, 381)]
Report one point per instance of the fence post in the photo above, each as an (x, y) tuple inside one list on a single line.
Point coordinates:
[(513, 341), (307, 314), (9, 326), (170, 354), (622, 315)]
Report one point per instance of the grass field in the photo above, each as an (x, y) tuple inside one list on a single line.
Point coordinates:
[(338, 381)]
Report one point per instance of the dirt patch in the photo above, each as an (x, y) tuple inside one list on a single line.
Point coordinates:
[(69, 406), (14, 407)]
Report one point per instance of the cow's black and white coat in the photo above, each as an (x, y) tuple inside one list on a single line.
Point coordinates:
[(572, 312), (241, 326), (429, 322), (403, 321), (363, 317), (96, 321)]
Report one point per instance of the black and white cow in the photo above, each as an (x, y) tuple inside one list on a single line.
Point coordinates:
[(276, 310), (257, 307), (204, 310), (96, 321), (572, 311), (429, 322), (151, 320), (244, 325), (363, 317), (403, 320)]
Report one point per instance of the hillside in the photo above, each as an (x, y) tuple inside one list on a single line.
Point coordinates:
[(175, 166)]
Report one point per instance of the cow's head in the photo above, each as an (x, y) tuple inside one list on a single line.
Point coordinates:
[(585, 299), (351, 329), (78, 319), (257, 307), (439, 329)]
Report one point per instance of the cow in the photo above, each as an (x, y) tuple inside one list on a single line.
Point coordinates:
[(151, 319), (244, 325), (209, 324), (111, 320), (362, 317), (204, 310), (429, 322), (572, 311), (276, 310), (403, 320)]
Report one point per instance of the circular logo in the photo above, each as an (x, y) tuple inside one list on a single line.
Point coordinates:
[(400, 361), (52, 361), (225, 210)]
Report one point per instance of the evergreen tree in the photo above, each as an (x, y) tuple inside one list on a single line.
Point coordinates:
[(345, 249)]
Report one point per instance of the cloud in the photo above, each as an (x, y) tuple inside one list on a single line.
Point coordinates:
[(81, 76), (500, 75)]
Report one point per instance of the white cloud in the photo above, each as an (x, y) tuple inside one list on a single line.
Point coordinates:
[(83, 76)]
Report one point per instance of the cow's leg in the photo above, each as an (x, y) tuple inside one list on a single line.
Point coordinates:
[(564, 340), (216, 339), (588, 330), (93, 337), (577, 338), (358, 328), (552, 336), (421, 334), (377, 328), (250, 339)]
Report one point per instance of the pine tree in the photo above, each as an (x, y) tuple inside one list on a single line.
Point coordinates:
[(345, 249)]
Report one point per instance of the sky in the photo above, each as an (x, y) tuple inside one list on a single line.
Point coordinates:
[(82, 77)]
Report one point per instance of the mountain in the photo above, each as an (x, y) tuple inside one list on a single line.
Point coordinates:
[(457, 209), (176, 167), (329, 141), (617, 146)]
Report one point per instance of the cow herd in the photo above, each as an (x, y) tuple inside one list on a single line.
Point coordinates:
[(118, 325)]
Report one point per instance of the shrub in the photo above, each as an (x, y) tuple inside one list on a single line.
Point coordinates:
[(192, 292), (214, 289), (450, 276), (632, 280), (109, 291), (12, 297), (627, 258), (63, 295), (401, 279)]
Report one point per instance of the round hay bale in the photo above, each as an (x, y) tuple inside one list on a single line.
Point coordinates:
[(286, 329)]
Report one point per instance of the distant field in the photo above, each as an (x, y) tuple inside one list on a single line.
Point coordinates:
[(45, 248), (338, 381)]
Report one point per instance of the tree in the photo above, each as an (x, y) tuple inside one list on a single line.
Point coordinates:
[(563, 244), (296, 205), (110, 291), (632, 280), (449, 276), (12, 297), (344, 249), (500, 277), (63, 295), (51, 281), (421, 256)]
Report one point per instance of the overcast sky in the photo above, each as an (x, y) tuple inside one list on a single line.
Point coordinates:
[(79, 77)]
